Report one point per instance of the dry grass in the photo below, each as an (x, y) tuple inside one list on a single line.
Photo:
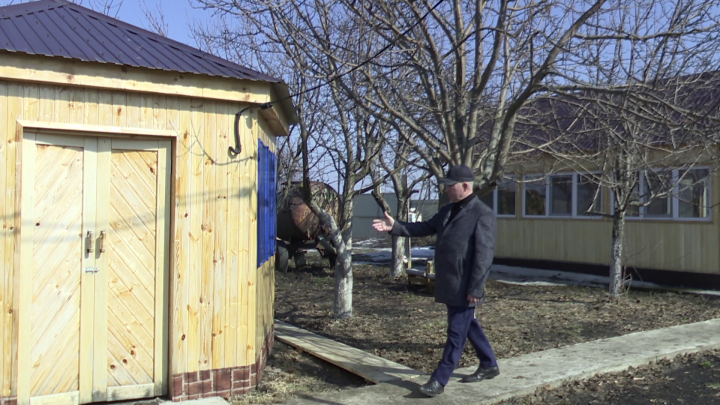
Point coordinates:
[(291, 373), (278, 386)]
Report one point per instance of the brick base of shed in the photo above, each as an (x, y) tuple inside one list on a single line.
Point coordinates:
[(8, 401), (225, 382)]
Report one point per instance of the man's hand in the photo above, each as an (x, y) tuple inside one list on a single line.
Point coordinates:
[(384, 225), (473, 299)]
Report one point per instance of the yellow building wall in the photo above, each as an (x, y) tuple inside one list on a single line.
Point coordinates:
[(691, 246), (215, 285)]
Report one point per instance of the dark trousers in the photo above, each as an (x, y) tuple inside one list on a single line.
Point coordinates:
[(462, 325)]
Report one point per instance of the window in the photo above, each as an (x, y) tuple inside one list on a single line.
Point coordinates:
[(589, 196), (657, 183), (688, 195), (561, 195), (566, 195), (535, 195), (506, 191), (693, 193), (502, 199), (633, 209)]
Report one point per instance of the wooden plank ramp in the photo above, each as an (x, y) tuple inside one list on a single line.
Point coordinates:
[(370, 367)]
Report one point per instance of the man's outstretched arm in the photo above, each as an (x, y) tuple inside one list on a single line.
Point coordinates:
[(411, 229)]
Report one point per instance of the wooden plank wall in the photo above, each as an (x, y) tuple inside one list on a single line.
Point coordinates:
[(214, 276), (10, 106), (265, 282), (657, 244)]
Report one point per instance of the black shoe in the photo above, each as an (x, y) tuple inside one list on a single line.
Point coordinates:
[(432, 388), (482, 373)]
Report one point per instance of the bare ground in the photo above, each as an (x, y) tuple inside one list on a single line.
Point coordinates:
[(403, 324)]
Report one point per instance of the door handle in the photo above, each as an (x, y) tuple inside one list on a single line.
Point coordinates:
[(90, 242), (103, 236)]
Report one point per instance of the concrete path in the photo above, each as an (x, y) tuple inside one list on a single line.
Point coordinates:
[(523, 374), (161, 401)]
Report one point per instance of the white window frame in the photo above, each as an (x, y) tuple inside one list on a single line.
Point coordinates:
[(528, 178), (672, 196), (674, 200), (576, 181), (676, 193), (495, 199), (548, 196)]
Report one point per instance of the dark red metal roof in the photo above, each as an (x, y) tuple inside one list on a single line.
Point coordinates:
[(58, 28)]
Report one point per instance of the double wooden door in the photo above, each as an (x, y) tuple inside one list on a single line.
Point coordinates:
[(94, 257)]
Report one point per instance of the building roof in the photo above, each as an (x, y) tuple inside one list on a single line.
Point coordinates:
[(58, 28), (679, 110)]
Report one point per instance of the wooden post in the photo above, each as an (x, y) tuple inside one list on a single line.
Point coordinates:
[(430, 279)]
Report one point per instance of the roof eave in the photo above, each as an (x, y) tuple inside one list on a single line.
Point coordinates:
[(283, 94)]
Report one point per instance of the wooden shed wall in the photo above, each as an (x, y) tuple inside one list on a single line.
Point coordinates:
[(220, 302), (265, 282), (690, 246)]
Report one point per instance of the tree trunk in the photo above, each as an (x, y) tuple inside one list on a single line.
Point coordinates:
[(342, 301), (616, 261), (342, 239), (398, 253), (342, 304)]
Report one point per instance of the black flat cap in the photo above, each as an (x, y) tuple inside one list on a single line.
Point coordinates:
[(458, 174)]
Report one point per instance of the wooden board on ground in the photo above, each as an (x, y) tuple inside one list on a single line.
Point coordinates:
[(415, 276), (372, 368)]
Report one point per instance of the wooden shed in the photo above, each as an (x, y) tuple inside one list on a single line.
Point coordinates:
[(136, 248)]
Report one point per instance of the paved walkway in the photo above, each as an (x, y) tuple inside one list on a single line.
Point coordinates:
[(523, 374)]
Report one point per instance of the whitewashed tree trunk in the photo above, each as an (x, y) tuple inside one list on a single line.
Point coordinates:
[(616, 260), (397, 267), (342, 301), (399, 244), (623, 198)]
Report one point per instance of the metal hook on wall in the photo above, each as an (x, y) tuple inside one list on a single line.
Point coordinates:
[(233, 152)]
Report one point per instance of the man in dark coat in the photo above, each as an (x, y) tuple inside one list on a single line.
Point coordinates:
[(464, 252)]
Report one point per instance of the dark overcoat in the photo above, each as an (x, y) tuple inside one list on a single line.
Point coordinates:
[(464, 250)]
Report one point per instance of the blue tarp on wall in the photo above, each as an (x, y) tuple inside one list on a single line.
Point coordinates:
[(267, 226)]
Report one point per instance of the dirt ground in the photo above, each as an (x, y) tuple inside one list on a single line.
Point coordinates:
[(403, 323), (688, 379)]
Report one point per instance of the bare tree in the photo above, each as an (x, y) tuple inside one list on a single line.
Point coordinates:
[(359, 145), (646, 144), (398, 160), (453, 76), (651, 102), (465, 71), (344, 140), (424, 69), (155, 18), (477, 65)]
